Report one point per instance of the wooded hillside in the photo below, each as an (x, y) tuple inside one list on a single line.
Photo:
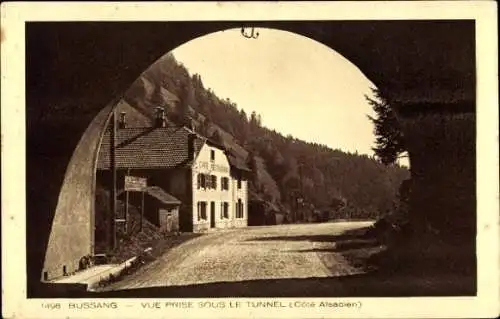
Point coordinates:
[(285, 168)]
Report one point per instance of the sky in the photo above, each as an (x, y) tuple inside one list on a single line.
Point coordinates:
[(297, 85)]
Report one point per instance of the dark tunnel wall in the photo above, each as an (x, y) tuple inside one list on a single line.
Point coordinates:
[(71, 235), (74, 70)]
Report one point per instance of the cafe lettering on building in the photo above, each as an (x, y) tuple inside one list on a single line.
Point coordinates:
[(212, 167)]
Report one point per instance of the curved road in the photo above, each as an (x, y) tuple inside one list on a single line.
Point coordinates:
[(267, 252)]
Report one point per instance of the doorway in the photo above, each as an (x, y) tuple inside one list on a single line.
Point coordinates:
[(212, 214)]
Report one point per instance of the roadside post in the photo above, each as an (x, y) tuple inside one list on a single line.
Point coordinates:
[(112, 215), (142, 209), (135, 184), (126, 203)]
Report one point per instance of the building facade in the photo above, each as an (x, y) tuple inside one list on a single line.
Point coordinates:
[(219, 193), (209, 182)]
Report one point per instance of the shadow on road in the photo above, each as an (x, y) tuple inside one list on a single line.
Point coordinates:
[(341, 246), (312, 238), (355, 246), (365, 285), (352, 234)]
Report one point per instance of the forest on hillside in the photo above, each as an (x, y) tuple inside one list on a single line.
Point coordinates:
[(285, 169)]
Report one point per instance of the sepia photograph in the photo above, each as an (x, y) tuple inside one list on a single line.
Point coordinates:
[(251, 164)]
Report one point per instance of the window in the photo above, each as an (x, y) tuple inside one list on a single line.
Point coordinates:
[(202, 183), (202, 210), (214, 181), (207, 181), (212, 155), (224, 181), (239, 182), (212, 209)]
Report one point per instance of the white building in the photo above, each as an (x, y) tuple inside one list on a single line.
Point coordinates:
[(220, 197)]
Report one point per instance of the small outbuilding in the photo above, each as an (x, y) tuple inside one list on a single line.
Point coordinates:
[(162, 209), (263, 212)]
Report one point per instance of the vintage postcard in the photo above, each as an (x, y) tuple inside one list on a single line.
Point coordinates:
[(250, 159)]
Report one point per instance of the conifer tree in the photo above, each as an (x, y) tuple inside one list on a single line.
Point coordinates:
[(389, 143)]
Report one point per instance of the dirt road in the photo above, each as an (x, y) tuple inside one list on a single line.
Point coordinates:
[(268, 252)]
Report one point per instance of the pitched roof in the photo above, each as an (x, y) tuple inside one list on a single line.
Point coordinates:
[(161, 195), (147, 148)]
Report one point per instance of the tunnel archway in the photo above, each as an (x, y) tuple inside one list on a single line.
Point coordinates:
[(66, 70)]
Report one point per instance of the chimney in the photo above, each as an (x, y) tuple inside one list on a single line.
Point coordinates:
[(122, 122), (160, 120), (191, 146), (190, 125)]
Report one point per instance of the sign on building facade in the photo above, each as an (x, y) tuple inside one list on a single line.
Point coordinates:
[(135, 184), (212, 167)]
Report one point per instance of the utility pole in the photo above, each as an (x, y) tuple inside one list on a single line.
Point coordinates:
[(112, 215), (301, 212), (299, 164), (142, 210), (126, 203)]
